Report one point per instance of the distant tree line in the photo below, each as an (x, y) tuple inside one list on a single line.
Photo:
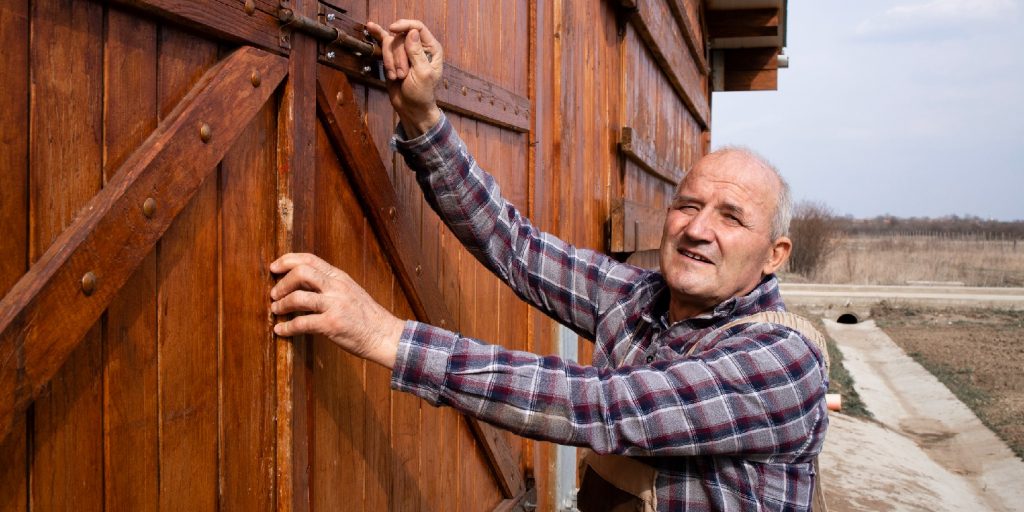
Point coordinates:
[(949, 225)]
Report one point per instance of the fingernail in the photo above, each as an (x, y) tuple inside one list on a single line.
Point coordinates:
[(414, 36), (391, 75)]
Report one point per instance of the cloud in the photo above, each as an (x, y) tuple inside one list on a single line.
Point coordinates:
[(937, 19)]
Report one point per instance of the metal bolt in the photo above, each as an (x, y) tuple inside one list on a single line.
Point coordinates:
[(359, 54), (367, 69), (88, 283), (419, 269), (366, 33), (391, 213), (149, 207), (205, 133), (330, 55), (256, 79), (330, 16)]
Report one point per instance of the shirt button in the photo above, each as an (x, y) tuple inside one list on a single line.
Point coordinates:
[(650, 358)]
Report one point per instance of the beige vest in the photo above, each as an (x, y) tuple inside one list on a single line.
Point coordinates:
[(639, 479)]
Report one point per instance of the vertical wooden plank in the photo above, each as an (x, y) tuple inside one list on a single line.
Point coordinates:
[(65, 172), (339, 469), (130, 333), (377, 405), (406, 437), (14, 65), (188, 316), (296, 169), (247, 433)]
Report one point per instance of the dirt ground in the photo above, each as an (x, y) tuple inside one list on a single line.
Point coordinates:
[(977, 353)]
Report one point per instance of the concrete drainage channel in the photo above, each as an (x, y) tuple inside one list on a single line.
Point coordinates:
[(925, 451)]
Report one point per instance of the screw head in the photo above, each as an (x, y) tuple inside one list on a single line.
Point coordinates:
[(419, 270), (205, 133), (330, 55), (256, 79), (331, 16), (464, 90), (88, 283), (250, 7), (339, 99), (149, 207), (367, 69), (392, 212)]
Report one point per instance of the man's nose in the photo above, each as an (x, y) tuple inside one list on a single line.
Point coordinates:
[(699, 228)]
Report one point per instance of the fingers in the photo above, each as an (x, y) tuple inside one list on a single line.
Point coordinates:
[(417, 56), (305, 324), (299, 301), (386, 46), (303, 277)]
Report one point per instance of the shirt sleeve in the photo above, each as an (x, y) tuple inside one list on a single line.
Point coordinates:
[(758, 392), (573, 285)]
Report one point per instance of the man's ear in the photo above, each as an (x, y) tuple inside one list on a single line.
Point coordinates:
[(778, 255)]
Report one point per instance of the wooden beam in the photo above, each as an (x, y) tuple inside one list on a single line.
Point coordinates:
[(394, 226), (635, 226), (643, 153), (664, 39), (88, 263), (728, 24), (230, 20), (750, 69)]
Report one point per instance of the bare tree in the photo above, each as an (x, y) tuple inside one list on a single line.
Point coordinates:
[(815, 231)]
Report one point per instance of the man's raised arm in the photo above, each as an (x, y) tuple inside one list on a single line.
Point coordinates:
[(572, 285)]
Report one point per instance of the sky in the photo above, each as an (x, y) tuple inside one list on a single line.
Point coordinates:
[(906, 108)]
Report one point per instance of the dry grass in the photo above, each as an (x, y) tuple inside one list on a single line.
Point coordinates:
[(895, 260)]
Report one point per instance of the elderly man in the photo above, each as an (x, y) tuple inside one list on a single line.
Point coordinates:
[(704, 406)]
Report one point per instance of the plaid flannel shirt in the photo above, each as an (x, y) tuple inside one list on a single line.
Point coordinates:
[(734, 426)]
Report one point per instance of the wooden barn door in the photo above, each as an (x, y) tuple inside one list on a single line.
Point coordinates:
[(158, 155)]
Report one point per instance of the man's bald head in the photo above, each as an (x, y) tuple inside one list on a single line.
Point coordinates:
[(746, 158)]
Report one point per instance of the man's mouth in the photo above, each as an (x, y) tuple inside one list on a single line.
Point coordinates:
[(694, 256)]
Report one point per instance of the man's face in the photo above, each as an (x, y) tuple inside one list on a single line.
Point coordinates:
[(717, 238)]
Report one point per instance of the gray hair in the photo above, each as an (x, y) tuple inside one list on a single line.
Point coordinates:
[(783, 203)]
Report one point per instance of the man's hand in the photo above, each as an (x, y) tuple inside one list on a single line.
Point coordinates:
[(338, 308), (413, 61)]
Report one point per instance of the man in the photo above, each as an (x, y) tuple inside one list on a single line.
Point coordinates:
[(722, 418)]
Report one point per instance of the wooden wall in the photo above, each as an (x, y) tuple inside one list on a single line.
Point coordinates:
[(169, 402)]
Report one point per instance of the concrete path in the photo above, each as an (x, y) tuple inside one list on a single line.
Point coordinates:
[(927, 450), (860, 295)]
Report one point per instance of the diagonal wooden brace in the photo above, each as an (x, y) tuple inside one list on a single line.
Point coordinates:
[(49, 310), (350, 136)]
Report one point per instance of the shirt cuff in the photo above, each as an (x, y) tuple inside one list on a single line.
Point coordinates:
[(428, 151), (421, 364)]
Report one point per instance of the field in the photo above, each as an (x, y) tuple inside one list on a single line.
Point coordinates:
[(977, 353), (903, 259)]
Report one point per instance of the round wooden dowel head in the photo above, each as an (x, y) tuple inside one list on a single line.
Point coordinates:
[(205, 133), (256, 79), (149, 207), (250, 7), (339, 98), (88, 283)]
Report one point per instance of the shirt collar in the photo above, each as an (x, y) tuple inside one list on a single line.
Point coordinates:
[(765, 297)]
